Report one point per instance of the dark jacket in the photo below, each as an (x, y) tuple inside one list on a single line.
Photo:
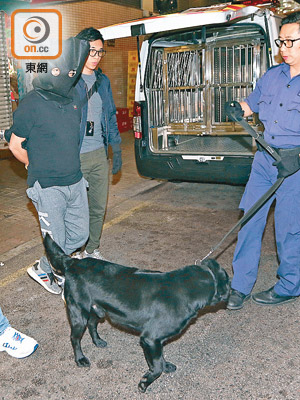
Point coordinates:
[(52, 135), (110, 132)]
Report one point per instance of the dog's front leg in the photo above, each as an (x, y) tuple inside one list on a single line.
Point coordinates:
[(153, 354), (92, 326)]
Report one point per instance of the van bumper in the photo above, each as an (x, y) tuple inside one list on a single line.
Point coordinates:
[(234, 170)]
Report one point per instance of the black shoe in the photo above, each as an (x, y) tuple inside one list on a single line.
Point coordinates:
[(270, 298), (236, 300)]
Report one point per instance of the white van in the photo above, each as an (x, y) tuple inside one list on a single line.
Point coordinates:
[(191, 63)]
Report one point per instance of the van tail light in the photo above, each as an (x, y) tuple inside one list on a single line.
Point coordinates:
[(137, 120), (273, 3)]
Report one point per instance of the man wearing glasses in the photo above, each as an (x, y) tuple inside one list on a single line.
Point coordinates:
[(98, 130), (276, 98)]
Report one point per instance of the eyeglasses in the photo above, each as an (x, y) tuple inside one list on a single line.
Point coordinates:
[(99, 53), (287, 42)]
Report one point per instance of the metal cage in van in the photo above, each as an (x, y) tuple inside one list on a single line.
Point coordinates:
[(189, 67)]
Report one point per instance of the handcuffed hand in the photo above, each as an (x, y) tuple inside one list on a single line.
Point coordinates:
[(117, 158), (288, 165), (234, 110), (7, 135)]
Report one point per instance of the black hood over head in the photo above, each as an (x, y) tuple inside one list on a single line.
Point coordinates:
[(63, 72)]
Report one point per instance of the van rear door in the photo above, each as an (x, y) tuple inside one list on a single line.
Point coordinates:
[(202, 59), (217, 14)]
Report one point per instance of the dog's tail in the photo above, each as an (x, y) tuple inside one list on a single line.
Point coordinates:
[(58, 259)]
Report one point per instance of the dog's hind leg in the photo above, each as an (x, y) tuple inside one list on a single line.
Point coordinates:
[(78, 322), (92, 326), (153, 354)]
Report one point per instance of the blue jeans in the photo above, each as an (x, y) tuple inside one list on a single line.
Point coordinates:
[(63, 213), (3, 322), (287, 229)]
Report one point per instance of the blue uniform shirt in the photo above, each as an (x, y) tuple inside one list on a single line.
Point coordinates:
[(276, 98)]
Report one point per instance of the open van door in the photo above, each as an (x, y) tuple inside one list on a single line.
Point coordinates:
[(190, 64)]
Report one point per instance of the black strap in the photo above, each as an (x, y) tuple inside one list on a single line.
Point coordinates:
[(259, 139), (249, 214), (90, 93)]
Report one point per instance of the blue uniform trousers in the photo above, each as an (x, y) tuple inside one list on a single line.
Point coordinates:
[(287, 229)]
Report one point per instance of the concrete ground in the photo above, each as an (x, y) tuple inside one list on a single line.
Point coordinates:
[(248, 354)]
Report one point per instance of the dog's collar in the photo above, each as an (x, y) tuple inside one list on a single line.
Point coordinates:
[(214, 279)]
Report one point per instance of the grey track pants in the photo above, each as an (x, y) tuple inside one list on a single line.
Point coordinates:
[(63, 212)]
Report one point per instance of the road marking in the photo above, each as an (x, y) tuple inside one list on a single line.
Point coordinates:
[(20, 249), (125, 215), (11, 278), (25, 246)]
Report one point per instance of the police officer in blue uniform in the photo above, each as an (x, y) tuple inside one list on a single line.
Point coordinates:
[(276, 98)]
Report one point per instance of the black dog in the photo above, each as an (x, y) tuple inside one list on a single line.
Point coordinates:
[(156, 305)]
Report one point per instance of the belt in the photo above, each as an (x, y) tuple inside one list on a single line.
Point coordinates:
[(286, 152)]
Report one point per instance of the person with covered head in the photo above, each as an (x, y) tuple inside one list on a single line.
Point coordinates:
[(276, 99), (45, 137)]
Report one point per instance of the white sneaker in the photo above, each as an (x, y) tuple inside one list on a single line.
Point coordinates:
[(63, 295), (60, 280), (77, 255), (95, 254), (16, 344)]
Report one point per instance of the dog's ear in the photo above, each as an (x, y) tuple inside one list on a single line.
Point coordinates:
[(58, 259), (212, 264)]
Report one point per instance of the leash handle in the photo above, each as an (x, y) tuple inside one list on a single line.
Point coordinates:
[(259, 139), (234, 111)]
